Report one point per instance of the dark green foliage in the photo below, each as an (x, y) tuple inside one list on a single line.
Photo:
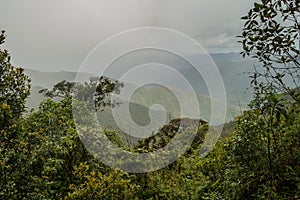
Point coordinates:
[(271, 35), (259, 161), (14, 89), (168, 132), (61, 89), (94, 93)]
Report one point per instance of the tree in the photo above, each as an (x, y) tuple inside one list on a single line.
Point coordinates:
[(271, 35), (94, 93), (14, 89), (260, 160)]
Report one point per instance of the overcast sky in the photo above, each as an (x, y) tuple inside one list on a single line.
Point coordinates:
[(54, 35)]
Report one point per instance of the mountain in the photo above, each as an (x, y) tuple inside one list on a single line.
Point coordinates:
[(144, 100), (150, 95), (41, 80), (233, 68), (49, 79)]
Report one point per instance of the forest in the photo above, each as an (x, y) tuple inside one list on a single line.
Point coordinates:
[(257, 156)]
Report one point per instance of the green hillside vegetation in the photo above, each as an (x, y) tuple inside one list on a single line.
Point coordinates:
[(174, 128), (48, 79), (151, 95)]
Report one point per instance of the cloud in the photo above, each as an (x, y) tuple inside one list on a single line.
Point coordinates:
[(57, 34)]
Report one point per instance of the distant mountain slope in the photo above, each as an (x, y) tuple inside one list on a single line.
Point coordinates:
[(142, 102), (41, 80), (49, 79), (153, 94), (232, 68)]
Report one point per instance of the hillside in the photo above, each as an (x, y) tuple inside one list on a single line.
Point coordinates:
[(48, 79), (140, 103)]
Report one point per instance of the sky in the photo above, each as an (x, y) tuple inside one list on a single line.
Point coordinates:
[(55, 35)]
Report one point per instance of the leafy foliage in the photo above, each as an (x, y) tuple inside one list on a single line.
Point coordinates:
[(94, 93), (14, 89), (271, 35), (260, 160)]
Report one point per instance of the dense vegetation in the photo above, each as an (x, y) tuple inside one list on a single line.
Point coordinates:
[(42, 157)]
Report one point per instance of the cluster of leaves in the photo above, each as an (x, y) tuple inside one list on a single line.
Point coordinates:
[(94, 93), (260, 160), (95, 184), (174, 128), (271, 35), (14, 89)]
